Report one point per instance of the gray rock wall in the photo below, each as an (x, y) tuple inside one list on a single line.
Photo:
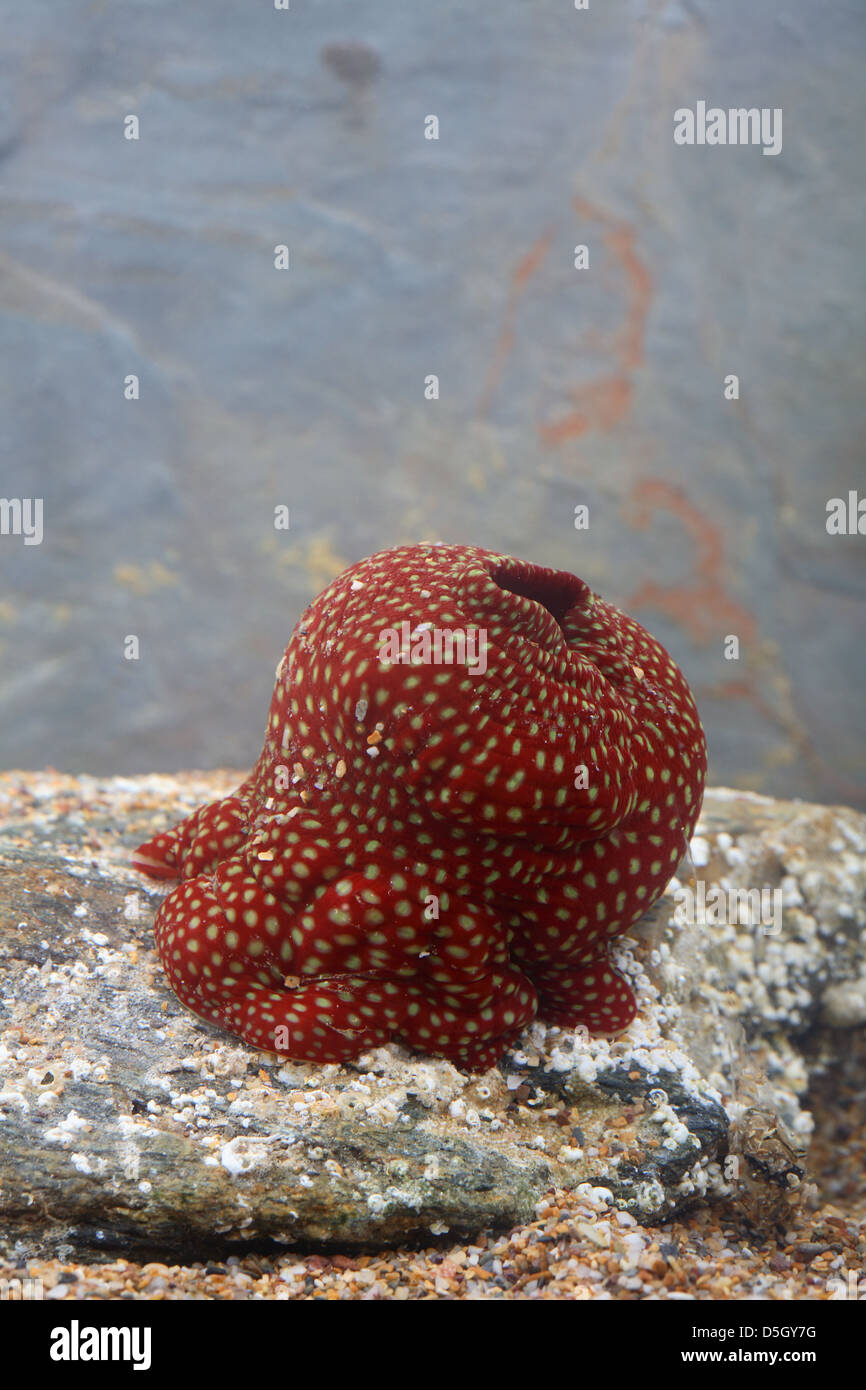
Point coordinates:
[(408, 256)]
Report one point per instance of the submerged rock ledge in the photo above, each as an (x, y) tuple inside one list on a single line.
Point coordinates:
[(126, 1124)]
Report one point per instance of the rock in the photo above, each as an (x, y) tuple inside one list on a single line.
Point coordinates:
[(126, 1124), (559, 386)]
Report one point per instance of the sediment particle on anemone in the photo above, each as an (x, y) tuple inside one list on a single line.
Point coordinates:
[(476, 775)]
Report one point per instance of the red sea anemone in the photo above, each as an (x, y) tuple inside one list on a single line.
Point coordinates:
[(476, 774)]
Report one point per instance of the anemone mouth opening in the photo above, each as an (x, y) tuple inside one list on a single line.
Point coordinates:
[(555, 590)]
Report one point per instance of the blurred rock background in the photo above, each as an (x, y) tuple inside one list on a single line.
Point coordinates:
[(411, 257)]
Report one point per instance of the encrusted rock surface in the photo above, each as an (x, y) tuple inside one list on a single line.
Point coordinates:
[(127, 1124)]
